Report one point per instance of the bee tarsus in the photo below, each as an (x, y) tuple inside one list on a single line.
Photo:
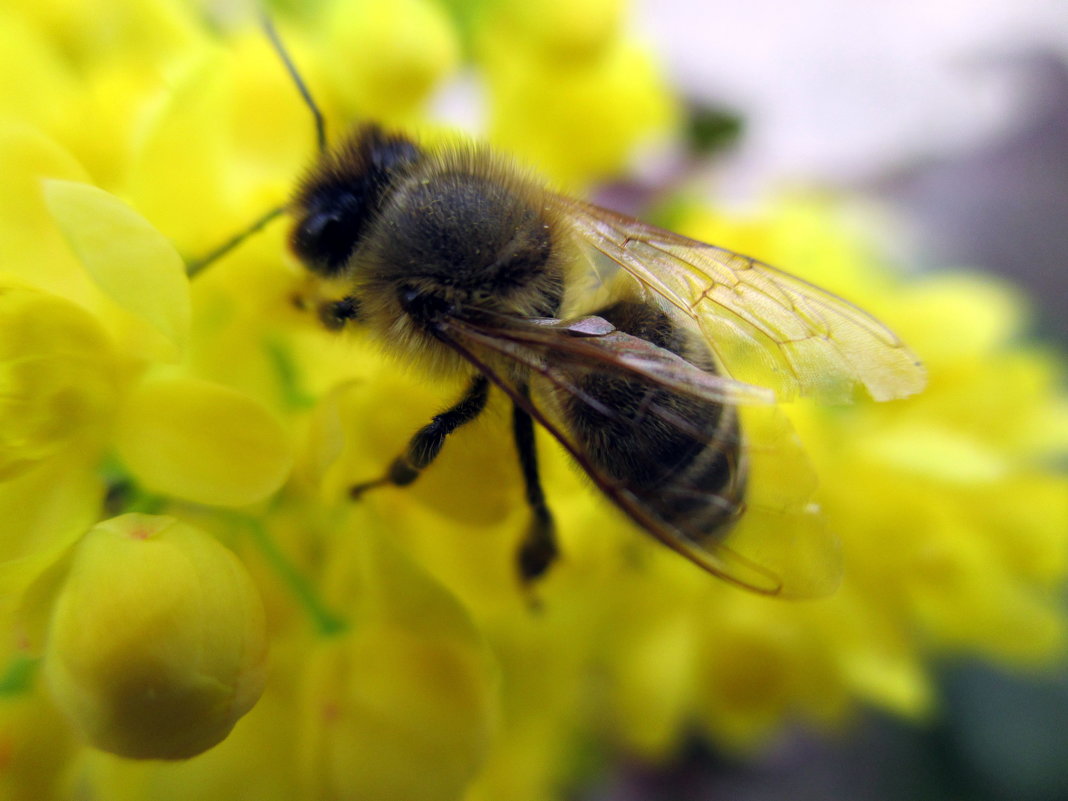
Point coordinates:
[(426, 444), (538, 550)]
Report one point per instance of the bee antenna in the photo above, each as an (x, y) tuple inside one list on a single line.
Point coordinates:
[(291, 68), (194, 266)]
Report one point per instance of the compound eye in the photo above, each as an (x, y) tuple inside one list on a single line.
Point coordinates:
[(324, 241)]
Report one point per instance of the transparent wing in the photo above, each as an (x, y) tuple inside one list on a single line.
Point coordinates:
[(777, 543), (594, 343), (768, 327)]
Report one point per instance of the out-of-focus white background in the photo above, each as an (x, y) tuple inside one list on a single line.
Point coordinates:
[(954, 111)]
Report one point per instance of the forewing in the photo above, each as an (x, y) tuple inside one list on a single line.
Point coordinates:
[(593, 343), (778, 544), (768, 327)]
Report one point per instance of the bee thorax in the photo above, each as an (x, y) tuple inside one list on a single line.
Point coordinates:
[(455, 240)]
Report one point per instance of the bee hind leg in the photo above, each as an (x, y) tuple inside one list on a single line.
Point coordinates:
[(425, 446), (538, 550)]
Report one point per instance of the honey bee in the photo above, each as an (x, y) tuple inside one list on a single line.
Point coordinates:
[(458, 261)]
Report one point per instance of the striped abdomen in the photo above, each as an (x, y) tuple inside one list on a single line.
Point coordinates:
[(681, 456)]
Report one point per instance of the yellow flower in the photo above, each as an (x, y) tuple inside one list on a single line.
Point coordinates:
[(177, 434), (411, 684), (157, 642), (388, 55), (37, 747), (542, 63)]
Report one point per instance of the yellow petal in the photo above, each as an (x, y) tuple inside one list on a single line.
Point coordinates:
[(567, 31), (46, 88), (36, 748), (128, 258), (33, 248), (203, 442), (57, 377)]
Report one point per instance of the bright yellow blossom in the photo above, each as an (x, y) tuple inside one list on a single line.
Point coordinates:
[(411, 684), (389, 55), (405, 661), (544, 62), (157, 643)]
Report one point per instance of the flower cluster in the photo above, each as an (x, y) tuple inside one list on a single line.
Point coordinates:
[(175, 454)]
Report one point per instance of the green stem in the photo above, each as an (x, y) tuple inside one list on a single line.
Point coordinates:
[(125, 495), (285, 367), (19, 675), (326, 621)]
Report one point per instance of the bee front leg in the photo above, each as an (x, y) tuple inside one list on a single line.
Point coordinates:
[(538, 549), (425, 446), (334, 314)]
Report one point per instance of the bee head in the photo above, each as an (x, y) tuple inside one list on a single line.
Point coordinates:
[(343, 193)]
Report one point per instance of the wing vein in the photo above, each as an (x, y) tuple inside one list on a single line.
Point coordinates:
[(767, 327)]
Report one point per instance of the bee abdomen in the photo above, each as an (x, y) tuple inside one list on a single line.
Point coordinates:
[(705, 496), (679, 454)]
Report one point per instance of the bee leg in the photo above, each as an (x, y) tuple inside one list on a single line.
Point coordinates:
[(334, 314), (538, 549), (424, 447)]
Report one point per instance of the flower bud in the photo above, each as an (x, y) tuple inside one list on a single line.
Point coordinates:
[(157, 643)]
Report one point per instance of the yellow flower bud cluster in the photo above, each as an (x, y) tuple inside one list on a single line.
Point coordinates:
[(156, 641)]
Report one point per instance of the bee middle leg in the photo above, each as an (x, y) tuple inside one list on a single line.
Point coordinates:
[(538, 549), (425, 446)]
